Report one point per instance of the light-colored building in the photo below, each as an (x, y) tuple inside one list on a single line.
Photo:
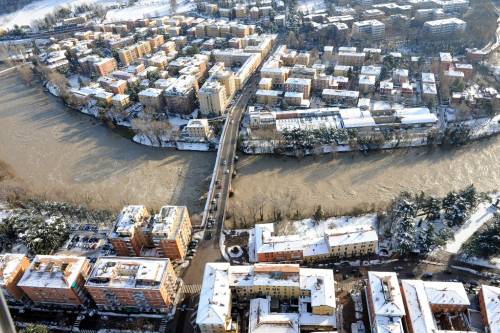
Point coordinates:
[(137, 284), (371, 28), (489, 303), (300, 85), (260, 284), (151, 98), (268, 97), (12, 268), (444, 27), (340, 97), (180, 95), (385, 303), (120, 101), (351, 58), (424, 299), (198, 128), (56, 280), (212, 97)]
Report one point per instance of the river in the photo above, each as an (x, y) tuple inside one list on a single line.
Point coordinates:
[(343, 183), (63, 155)]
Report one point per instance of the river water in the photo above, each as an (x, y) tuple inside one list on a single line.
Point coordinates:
[(343, 182), (65, 155)]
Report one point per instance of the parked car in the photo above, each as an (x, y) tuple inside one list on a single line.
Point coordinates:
[(208, 236), (427, 276)]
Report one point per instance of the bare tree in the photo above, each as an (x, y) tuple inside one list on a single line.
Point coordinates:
[(26, 74)]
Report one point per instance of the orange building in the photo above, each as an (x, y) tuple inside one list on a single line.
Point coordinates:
[(12, 268), (134, 284), (57, 280), (167, 234), (105, 66)]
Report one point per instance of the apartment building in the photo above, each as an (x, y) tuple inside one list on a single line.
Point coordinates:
[(12, 268), (212, 98), (120, 101), (489, 304), (346, 242), (427, 301), (445, 27), (300, 85), (132, 284), (180, 95), (151, 98), (171, 231), (198, 129), (268, 97), (262, 284), (340, 97), (167, 234), (131, 53), (56, 280), (385, 303), (371, 28), (351, 58), (104, 66)]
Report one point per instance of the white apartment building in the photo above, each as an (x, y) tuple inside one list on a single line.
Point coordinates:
[(445, 26), (373, 28)]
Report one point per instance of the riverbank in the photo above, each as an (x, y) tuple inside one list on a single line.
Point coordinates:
[(62, 155), (351, 183)]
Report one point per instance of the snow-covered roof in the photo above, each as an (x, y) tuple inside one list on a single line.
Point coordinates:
[(365, 121), (320, 283), (123, 272), (129, 216), (9, 263), (385, 294), (48, 271), (261, 320), (214, 305), (491, 297), (446, 293), (168, 220), (351, 235), (417, 304), (428, 77)]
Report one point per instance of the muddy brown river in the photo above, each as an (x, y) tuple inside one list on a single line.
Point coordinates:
[(65, 155)]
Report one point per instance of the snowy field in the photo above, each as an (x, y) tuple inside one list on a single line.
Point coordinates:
[(311, 6), (148, 8), (143, 8), (38, 9)]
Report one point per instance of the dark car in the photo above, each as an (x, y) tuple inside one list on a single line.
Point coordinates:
[(427, 276), (208, 236)]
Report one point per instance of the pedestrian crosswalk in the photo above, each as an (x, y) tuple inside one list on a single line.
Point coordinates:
[(191, 288)]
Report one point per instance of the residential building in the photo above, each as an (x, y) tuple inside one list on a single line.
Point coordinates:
[(56, 280), (212, 98), (444, 27), (268, 97), (343, 242), (300, 85), (12, 268), (371, 28), (151, 98), (489, 304), (198, 129), (262, 284), (167, 234), (385, 303), (120, 101), (132, 284), (104, 66), (180, 95), (340, 97), (425, 301)]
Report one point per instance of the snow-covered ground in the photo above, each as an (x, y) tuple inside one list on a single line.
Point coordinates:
[(38, 9), (311, 6), (484, 212), (148, 8)]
